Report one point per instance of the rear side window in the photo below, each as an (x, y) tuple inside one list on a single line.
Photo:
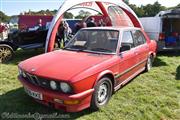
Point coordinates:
[(127, 38), (139, 38), (127, 41)]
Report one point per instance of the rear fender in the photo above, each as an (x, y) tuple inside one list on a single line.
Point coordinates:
[(153, 48)]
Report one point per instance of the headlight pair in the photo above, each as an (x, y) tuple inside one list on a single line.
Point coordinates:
[(64, 87)]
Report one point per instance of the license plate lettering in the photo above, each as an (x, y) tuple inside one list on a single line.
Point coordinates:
[(33, 94)]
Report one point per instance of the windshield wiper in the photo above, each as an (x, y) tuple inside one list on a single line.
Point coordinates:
[(101, 50), (75, 48)]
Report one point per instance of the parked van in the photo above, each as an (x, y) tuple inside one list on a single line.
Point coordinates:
[(164, 28)]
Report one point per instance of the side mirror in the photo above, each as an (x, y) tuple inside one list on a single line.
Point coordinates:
[(125, 48)]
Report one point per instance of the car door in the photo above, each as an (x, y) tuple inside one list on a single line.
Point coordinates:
[(141, 48), (127, 56)]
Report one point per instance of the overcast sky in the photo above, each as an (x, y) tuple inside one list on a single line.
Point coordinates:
[(14, 7)]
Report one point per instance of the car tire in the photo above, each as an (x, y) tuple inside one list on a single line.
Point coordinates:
[(6, 53), (102, 93), (149, 63)]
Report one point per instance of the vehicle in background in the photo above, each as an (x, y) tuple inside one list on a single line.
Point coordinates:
[(25, 37), (94, 64), (28, 36), (164, 28), (24, 40), (30, 21)]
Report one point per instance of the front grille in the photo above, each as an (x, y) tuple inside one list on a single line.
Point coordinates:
[(38, 81), (32, 79)]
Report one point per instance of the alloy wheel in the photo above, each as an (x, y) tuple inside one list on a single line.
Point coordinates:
[(6, 53)]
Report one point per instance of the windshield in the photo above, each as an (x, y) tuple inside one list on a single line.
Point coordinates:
[(94, 40)]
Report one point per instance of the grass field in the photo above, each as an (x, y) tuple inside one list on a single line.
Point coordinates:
[(150, 96)]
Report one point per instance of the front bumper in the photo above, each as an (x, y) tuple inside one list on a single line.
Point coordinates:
[(50, 98)]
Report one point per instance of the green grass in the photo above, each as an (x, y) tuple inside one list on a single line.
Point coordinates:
[(150, 96)]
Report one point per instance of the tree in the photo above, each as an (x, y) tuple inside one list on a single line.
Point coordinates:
[(68, 15), (127, 2), (176, 7), (138, 10), (54, 12), (83, 14), (41, 12), (152, 10), (3, 17), (148, 10)]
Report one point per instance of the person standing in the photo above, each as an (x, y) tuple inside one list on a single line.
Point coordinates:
[(80, 25), (67, 30), (2, 29), (102, 23), (60, 33), (39, 25), (91, 22), (64, 32)]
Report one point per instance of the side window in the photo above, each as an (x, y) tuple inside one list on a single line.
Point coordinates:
[(127, 38), (127, 41), (139, 38)]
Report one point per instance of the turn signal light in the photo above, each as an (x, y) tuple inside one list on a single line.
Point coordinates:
[(71, 102), (67, 102)]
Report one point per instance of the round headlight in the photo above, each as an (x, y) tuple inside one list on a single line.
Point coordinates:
[(53, 85), (65, 87)]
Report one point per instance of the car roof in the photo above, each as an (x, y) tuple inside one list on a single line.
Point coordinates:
[(112, 28)]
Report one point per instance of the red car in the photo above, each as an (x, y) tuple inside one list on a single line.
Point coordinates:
[(92, 66)]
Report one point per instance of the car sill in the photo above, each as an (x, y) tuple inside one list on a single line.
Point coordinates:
[(128, 79)]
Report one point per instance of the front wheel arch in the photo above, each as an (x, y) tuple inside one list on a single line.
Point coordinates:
[(8, 43), (108, 74)]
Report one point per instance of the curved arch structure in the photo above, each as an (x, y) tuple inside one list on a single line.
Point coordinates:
[(100, 6)]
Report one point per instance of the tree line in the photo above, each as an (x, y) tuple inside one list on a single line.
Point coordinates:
[(148, 10)]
